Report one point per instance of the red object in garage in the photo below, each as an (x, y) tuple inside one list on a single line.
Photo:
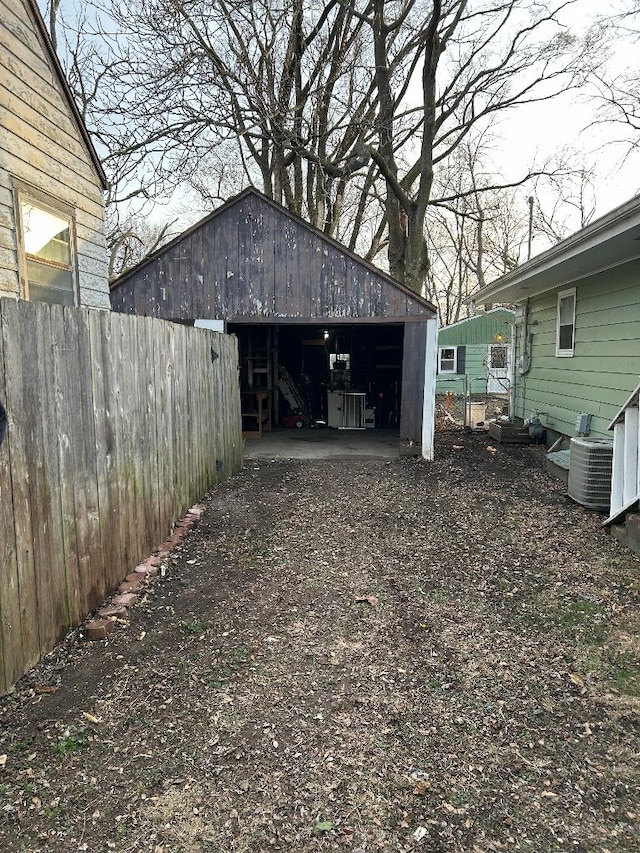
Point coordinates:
[(295, 420)]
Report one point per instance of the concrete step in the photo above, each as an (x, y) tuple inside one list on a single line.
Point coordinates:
[(629, 532), (557, 465)]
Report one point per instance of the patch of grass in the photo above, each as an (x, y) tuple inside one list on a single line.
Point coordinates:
[(56, 813), (577, 613), (195, 626), (437, 596), (594, 635), (624, 674), (225, 670), (68, 745), (240, 655), (582, 619)]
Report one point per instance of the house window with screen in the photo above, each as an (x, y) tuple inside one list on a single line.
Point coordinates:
[(499, 357), (46, 250), (447, 360), (566, 322)]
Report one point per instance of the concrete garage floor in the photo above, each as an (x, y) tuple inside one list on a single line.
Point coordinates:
[(324, 443)]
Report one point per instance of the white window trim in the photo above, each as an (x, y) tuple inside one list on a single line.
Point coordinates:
[(24, 192), (565, 353), (455, 359)]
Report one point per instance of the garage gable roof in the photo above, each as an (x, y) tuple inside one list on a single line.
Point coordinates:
[(283, 218)]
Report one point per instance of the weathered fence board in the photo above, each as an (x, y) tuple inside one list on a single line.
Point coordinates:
[(116, 425), (10, 617), (44, 484), (23, 636)]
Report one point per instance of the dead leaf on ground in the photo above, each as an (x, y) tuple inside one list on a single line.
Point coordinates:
[(577, 679), (91, 718), (369, 599)]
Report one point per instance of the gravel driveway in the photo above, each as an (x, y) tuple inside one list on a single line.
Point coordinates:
[(350, 655)]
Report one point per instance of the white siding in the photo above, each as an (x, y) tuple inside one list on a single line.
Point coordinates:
[(40, 144)]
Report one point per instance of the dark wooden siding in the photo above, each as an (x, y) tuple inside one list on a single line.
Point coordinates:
[(252, 259), (413, 367)]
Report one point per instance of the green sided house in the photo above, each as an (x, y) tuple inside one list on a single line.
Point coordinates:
[(577, 328), (474, 355), (577, 356)]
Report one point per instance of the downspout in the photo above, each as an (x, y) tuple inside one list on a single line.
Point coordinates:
[(525, 358), (512, 373)]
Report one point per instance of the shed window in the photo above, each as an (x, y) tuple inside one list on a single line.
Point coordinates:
[(447, 360), (566, 322), (46, 250)]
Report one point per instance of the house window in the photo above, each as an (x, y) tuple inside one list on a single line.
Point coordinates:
[(46, 249), (498, 357), (566, 322), (447, 360)]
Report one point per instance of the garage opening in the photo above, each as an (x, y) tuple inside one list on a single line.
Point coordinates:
[(344, 377)]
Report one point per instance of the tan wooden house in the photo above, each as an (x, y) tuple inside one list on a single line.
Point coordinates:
[(52, 241)]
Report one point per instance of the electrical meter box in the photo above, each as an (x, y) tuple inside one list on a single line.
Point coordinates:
[(583, 424)]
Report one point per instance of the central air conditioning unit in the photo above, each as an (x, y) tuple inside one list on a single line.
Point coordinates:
[(590, 463)]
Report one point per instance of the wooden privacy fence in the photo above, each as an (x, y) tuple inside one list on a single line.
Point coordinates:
[(116, 424)]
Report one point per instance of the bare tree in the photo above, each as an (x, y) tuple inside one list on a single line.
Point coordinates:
[(477, 235), (481, 232), (618, 87), (131, 240), (53, 10), (564, 204), (345, 111)]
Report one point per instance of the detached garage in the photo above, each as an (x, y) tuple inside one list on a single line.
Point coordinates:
[(324, 336)]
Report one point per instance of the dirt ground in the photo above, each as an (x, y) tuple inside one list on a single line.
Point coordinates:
[(356, 656)]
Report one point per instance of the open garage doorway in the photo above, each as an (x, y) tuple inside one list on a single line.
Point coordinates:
[(343, 377)]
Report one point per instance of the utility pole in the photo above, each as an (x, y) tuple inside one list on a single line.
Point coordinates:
[(530, 200)]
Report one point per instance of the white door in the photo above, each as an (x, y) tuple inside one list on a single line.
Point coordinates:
[(498, 368)]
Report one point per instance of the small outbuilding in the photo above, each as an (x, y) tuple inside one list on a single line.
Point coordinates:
[(474, 354), (325, 338)]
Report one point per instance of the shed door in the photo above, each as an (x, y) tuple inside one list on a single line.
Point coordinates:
[(498, 368)]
